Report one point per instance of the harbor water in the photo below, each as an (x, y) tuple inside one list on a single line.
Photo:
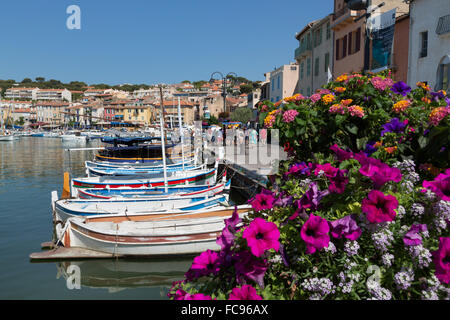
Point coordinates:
[(30, 168)]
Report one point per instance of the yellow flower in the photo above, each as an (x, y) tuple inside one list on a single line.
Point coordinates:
[(423, 86), (342, 78), (328, 98), (340, 89), (401, 106)]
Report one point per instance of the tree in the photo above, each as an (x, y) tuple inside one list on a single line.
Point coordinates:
[(242, 114), (40, 79), (26, 80), (246, 88)]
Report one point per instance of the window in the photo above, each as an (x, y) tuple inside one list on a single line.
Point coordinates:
[(302, 67), (308, 67), (328, 30), (316, 67), (278, 82), (327, 61), (443, 74), (344, 46), (308, 91), (423, 44), (273, 84), (357, 40)]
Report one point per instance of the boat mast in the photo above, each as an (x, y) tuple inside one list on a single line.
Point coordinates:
[(181, 130), (163, 153)]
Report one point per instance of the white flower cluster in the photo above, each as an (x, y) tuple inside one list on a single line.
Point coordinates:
[(417, 209), (351, 247), (421, 255), (404, 279), (382, 239), (387, 259), (377, 291), (320, 287)]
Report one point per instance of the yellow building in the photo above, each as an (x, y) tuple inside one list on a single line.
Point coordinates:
[(139, 115)]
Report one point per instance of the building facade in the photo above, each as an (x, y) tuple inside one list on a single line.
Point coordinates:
[(314, 55), (429, 43), (283, 82)]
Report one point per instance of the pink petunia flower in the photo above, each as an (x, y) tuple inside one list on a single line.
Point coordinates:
[(206, 263), (340, 153), (262, 201), (262, 235), (379, 207), (246, 292), (315, 233), (440, 185), (441, 259), (345, 227)]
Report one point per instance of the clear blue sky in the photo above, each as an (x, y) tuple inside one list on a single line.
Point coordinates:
[(148, 41)]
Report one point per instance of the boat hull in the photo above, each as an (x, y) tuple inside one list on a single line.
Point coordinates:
[(164, 235)]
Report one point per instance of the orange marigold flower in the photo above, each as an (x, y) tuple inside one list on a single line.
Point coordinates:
[(346, 102), (423, 86), (390, 150), (328, 98), (378, 144), (401, 106), (426, 100), (340, 89), (342, 78)]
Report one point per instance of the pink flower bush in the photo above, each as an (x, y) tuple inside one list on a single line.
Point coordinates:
[(379, 207), (289, 115), (246, 292), (315, 97), (261, 236), (380, 83), (315, 233), (206, 263)]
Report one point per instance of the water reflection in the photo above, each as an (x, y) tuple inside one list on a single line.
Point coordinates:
[(116, 275)]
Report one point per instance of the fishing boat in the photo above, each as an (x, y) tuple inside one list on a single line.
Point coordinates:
[(148, 235), (207, 176), (103, 164), (75, 136), (95, 171), (182, 191), (6, 137), (66, 208)]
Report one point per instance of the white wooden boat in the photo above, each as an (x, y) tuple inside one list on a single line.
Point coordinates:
[(103, 164), (9, 137), (144, 235), (66, 208)]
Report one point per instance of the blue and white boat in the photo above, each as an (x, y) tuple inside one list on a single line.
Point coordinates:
[(130, 171), (156, 192), (66, 208)]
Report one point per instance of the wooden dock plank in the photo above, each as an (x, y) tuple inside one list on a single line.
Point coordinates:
[(62, 253)]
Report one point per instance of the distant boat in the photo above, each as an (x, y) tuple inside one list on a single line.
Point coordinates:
[(37, 134), (103, 164), (66, 208), (8, 137), (144, 235)]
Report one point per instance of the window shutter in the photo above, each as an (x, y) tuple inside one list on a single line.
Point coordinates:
[(358, 40), (344, 47), (350, 43), (337, 49)]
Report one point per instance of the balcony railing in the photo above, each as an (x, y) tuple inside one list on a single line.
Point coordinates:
[(304, 47), (340, 12)]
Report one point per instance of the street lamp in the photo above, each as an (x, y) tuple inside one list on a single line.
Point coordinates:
[(224, 86), (364, 5)]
